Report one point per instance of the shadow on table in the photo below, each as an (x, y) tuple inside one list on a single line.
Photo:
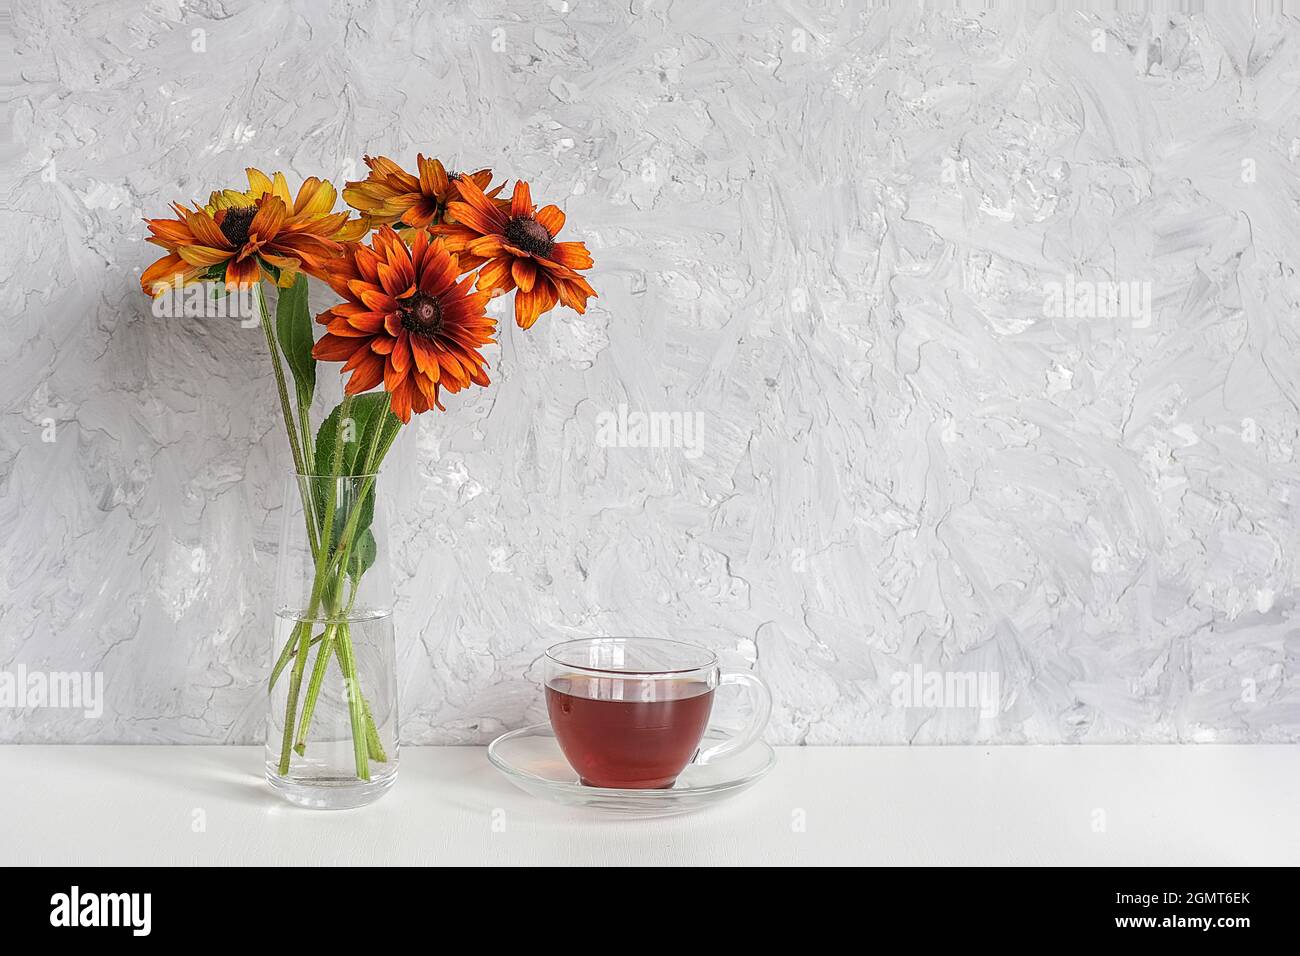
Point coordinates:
[(217, 771)]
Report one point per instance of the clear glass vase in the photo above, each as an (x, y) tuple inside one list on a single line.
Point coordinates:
[(331, 739)]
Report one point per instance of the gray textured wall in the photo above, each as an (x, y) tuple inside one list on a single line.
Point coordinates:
[(831, 232)]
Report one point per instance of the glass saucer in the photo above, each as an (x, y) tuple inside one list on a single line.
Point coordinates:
[(531, 758)]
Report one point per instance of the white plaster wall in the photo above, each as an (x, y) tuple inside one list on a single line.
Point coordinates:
[(826, 229)]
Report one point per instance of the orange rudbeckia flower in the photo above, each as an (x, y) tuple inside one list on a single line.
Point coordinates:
[(392, 195), (243, 237), (408, 322), (516, 244)]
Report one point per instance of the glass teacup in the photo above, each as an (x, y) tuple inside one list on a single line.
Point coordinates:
[(630, 712)]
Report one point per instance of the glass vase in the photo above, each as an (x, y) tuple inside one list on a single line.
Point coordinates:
[(331, 740)]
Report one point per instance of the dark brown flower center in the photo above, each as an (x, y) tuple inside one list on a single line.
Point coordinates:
[(529, 235), (421, 314), (234, 226)]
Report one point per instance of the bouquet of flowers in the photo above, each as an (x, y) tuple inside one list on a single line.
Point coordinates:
[(414, 271)]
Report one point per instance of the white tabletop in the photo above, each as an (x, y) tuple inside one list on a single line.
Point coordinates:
[(1087, 805)]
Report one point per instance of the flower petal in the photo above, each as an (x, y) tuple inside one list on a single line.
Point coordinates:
[(551, 218), (270, 215), (530, 305), (206, 231), (524, 272), (574, 293), (259, 184), (241, 273), (497, 275), (440, 270), (521, 203), (400, 399), (160, 276), (571, 254), (280, 189), (203, 255), (315, 198), (334, 348), (475, 218), (490, 212), (368, 372), (433, 177), (397, 278)]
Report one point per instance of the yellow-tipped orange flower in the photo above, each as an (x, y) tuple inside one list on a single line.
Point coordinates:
[(315, 200), (407, 322), (241, 237), (516, 246), (392, 195)]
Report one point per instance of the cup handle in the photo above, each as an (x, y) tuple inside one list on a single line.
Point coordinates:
[(761, 697)]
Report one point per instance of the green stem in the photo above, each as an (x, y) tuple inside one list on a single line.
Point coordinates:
[(295, 684), (308, 446), (290, 426), (287, 653), (356, 707), (373, 744), (327, 651), (302, 628), (323, 656)]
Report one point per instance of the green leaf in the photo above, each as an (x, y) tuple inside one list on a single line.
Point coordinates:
[(293, 331), (369, 411), (326, 436), (363, 555), (363, 548), (370, 422), (343, 514)]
